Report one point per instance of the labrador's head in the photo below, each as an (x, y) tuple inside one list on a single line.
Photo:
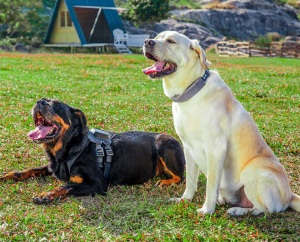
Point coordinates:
[(173, 52)]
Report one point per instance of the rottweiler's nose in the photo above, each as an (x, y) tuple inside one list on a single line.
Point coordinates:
[(149, 42), (41, 102)]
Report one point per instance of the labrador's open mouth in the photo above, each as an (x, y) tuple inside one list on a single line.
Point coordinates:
[(44, 130), (160, 68)]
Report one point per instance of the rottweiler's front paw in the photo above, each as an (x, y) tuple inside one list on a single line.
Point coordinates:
[(43, 198), (47, 197), (3, 176), (161, 183)]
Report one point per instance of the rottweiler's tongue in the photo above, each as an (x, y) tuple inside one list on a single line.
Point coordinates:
[(156, 67), (40, 132)]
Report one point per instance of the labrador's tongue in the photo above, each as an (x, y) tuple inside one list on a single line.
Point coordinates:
[(40, 132), (156, 67)]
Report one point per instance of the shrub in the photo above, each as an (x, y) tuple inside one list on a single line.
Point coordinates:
[(218, 5), (189, 3), (268, 38), (22, 22)]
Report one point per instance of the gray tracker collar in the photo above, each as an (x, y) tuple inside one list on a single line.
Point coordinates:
[(192, 90)]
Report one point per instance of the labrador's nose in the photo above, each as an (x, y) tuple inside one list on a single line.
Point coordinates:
[(149, 42)]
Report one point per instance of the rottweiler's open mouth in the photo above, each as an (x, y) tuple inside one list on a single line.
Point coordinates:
[(44, 129), (160, 68)]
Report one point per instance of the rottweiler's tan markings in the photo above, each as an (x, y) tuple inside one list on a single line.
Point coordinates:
[(22, 175), (65, 127), (49, 196), (76, 179), (162, 168)]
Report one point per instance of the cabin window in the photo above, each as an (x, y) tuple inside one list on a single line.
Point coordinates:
[(62, 19), (65, 19), (69, 20)]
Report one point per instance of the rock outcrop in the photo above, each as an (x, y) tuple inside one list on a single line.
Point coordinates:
[(21, 48), (251, 19), (191, 30), (5, 48)]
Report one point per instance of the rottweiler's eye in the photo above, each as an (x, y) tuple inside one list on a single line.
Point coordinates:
[(171, 41), (57, 107)]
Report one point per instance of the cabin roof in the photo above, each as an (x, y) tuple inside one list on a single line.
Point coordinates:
[(110, 13)]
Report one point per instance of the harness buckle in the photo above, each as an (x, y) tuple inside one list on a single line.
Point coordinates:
[(103, 149), (100, 154), (109, 151)]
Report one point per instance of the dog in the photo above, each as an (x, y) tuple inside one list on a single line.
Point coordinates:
[(219, 136), (64, 135)]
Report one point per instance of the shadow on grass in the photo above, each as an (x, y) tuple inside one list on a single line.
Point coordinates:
[(144, 211), (128, 209), (283, 226)]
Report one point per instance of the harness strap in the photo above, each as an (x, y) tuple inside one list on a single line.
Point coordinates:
[(100, 154), (109, 156), (74, 157), (103, 150)]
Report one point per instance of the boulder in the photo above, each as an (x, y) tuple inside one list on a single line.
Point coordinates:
[(251, 19), (191, 30), (210, 1), (264, 5), (21, 48), (5, 48)]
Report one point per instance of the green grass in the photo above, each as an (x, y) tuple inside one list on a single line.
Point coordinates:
[(188, 3), (115, 95)]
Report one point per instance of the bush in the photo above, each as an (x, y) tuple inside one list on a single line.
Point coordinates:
[(20, 22), (218, 5), (188, 3), (268, 38)]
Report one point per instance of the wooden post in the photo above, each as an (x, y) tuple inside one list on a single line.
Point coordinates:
[(249, 49)]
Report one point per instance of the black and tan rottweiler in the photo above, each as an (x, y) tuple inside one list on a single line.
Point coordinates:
[(63, 133)]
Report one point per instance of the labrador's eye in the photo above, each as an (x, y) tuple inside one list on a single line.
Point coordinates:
[(171, 41)]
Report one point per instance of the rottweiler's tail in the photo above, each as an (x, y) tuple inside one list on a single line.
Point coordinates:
[(295, 202)]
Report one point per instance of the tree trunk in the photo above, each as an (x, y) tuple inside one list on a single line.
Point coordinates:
[(152, 28), (146, 28)]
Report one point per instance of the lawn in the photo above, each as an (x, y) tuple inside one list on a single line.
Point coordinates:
[(115, 95)]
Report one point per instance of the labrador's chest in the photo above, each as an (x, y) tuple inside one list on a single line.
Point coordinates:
[(189, 122)]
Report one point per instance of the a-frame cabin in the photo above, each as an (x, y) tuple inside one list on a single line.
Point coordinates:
[(83, 23)]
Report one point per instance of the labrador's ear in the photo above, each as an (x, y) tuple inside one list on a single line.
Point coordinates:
[(196, 47)]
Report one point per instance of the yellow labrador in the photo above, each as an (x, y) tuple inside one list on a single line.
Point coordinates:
[(219, 136)]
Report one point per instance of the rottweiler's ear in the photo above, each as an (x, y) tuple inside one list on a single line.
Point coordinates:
[(82, 122), (195, 46)]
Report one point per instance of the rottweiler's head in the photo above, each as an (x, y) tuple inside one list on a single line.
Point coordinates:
[(56, 121)]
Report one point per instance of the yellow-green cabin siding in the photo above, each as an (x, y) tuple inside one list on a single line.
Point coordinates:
[(63, 35)]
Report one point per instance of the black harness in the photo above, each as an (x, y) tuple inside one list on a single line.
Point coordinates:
[(103, 150)]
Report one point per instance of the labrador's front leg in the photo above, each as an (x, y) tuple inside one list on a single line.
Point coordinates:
[(215, 160), (192, 173)]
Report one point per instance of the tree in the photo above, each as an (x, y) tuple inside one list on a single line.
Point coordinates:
[(146, 12), (49, 3), (22, 22)]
